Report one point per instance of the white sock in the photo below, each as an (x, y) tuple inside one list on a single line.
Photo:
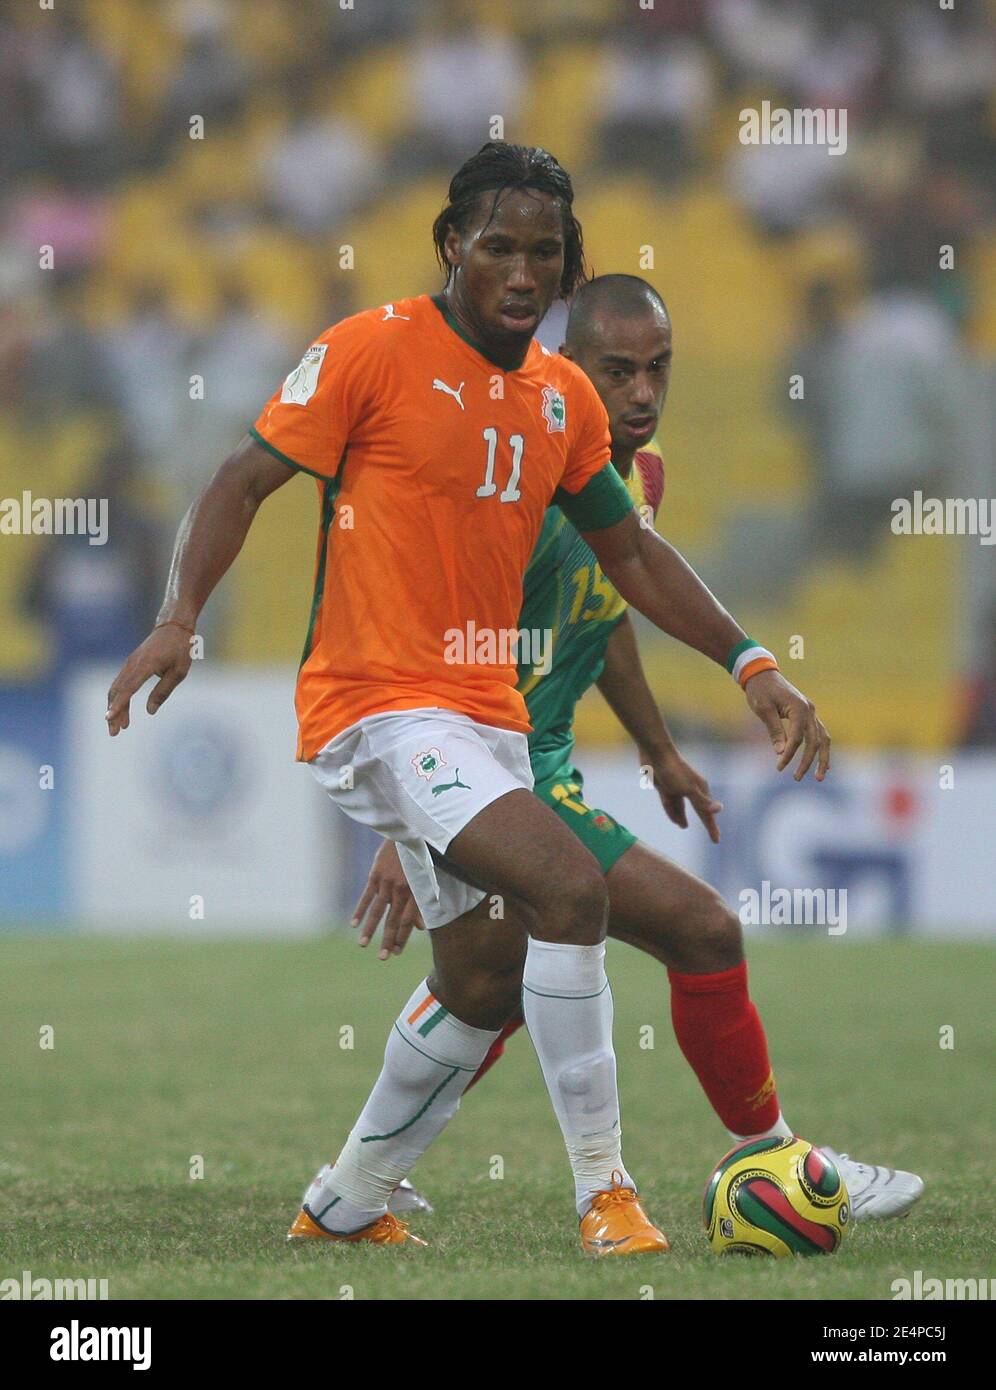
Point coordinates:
[(779, 1130), (567, 1005), (429, 1061)]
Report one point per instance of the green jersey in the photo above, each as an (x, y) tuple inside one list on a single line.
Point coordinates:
[(570, 611)]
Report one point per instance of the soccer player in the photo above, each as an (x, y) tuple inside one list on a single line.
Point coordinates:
[(619, 332), (438, 433)]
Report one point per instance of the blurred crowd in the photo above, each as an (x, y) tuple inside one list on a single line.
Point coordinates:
[(99, 154)]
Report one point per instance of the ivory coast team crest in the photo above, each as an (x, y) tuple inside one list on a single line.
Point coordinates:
[(554, 409), (425, 764)]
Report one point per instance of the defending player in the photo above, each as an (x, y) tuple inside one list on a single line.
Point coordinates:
[(439, 432), (620, 334)]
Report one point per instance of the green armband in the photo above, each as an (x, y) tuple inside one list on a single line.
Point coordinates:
[(602, 502)]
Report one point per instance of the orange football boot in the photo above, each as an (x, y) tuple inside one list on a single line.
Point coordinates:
[(386, 1230), (616, 1224)]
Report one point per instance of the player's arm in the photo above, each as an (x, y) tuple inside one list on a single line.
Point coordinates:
[(623, 682), (210, 537), (656, 580)]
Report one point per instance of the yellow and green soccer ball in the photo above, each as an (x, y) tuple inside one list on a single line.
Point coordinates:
[(776, 1197)]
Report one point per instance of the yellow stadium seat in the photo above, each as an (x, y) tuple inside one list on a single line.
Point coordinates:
[(143, 218), (982, 305), (147, 63), (267, 36), (561, 98), (556, 19), (371, 93), (272, 583), (280, 273), (214, 169), (392, 245)]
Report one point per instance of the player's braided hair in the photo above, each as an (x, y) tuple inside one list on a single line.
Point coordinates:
[(499, 166)]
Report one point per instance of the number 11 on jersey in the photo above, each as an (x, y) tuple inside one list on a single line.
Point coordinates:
[(510, 492)]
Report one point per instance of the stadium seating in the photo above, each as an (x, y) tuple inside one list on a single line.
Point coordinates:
[(729, 449)]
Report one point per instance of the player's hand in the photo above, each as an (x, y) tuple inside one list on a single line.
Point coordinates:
[(677, 780), (387, 891), (164, 653), (791, 722)]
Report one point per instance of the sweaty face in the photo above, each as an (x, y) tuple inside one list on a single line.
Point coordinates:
[(508, 266), (629, 362)]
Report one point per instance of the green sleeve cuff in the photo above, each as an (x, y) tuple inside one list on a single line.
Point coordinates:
[(291, 463), (602, 502)]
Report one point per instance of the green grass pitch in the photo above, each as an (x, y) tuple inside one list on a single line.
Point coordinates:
[(164, 1050)]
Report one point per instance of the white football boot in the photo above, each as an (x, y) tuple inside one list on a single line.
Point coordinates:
[(406, 1198), (875, 1192)]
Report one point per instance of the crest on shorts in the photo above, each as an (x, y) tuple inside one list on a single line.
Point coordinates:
[(554, 409), (425, 764)]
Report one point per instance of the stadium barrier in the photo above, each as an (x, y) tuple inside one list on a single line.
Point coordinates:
[(199, 821)]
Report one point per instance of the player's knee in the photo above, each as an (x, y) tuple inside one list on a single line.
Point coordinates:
[(492, 1002), (577, 911), (719, 937), (486, 997)]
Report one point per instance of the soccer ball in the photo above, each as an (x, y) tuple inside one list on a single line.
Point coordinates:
[(776, 1197)]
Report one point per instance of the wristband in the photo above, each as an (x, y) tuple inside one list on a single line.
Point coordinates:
[(172, 622), (747, 658)]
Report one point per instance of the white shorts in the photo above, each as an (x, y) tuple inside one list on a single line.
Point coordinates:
[(418, 777)]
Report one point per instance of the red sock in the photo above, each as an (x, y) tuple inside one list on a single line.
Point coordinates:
[(495, 1050), (719, 1031)]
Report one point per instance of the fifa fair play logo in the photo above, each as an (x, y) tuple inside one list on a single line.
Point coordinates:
[(301, 384)]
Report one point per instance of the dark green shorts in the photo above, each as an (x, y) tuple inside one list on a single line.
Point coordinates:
[(605, 837)]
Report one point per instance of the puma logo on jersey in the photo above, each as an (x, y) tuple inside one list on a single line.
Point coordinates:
[(438, 385), (390, 314)]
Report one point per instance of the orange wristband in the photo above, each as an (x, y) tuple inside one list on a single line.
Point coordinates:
[(761, 663)]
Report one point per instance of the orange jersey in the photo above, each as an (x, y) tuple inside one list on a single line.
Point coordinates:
[(435, 467)]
